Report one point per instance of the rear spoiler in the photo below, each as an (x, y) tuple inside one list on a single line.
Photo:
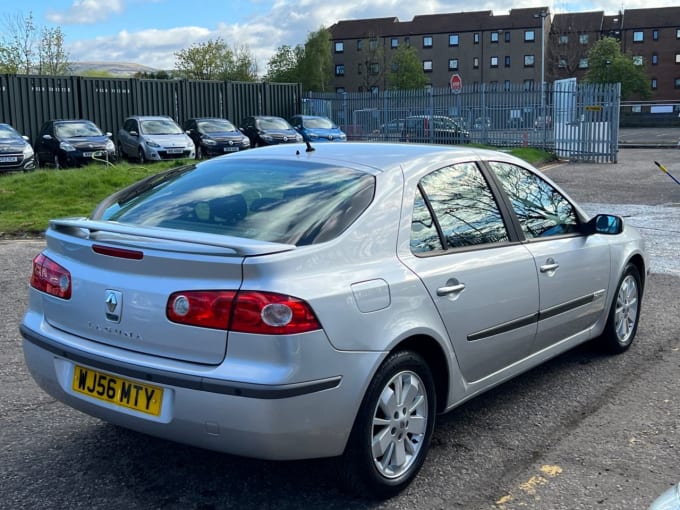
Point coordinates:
[(98, 230)]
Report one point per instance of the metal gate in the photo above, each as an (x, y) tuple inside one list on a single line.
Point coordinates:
[(577, 121)]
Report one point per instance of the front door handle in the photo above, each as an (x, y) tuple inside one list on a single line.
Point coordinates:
[(549, 266)]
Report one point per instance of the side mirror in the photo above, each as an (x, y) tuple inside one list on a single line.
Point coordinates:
[(109, 134), (134, 133), (47, 137), (606, 224)]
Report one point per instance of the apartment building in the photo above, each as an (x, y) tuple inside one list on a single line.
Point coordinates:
[(500, 50)]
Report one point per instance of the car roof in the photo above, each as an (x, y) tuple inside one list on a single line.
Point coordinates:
[(375, 157)]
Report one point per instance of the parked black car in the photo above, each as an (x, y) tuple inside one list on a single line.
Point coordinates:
[(433, 129), (214, 136), (15, 151), (64, 143), (268, 130)]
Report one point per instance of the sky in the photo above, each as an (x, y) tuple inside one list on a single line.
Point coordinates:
[(150, 32)]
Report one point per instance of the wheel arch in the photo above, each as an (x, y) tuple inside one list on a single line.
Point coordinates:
[(435, 357), (638, 261)]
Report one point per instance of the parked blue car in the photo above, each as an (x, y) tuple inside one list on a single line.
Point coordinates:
[(317, 129)]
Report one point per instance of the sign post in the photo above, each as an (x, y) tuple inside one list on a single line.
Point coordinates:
[(456, 83)]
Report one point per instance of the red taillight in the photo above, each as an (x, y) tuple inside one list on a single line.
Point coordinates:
[(117, 252), (245, 312), (50, 277)]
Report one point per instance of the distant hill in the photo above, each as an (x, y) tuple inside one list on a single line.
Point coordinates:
[(122, 69)]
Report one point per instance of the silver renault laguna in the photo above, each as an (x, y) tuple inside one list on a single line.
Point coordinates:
[(292, 302)]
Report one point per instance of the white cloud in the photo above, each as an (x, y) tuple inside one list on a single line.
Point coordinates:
[(86, 12)]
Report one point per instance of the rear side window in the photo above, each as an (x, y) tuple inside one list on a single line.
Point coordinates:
[(297, 203)]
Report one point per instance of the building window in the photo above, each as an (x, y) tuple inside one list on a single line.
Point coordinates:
[(360, 68), (494, 37), (374, 68), (563, 39), (507, 61), (427, 41), (340, 70), (677, 83), (394, 42), (529, 61), (374, 89), (339, 47), (507, 36), (637, 60), (638, 36), (655, 59), (475, 62), (677, 33), (453, 39), (475, 37), (339, 90), (427, 66), (360, 44), (494, 62), (653, 84), (453, 64), (373, 44), (529, 36), (407, 41), (583, 63), (395, 67), (528, 84), (507, 84), (655, 34), (583, 38)]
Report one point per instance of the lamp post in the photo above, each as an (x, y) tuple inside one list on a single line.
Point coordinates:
[(543, 15)]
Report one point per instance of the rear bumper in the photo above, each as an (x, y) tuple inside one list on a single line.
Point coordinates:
[(285, 421)]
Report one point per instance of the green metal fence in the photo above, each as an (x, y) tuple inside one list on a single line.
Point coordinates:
[(28, 101)]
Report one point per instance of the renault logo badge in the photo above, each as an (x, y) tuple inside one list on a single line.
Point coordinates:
[(113, 303)]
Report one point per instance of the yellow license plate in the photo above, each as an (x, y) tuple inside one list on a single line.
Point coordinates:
[(118, 390)]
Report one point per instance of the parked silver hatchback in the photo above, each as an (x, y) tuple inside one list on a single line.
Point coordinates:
[(286, 304), (153, 138)]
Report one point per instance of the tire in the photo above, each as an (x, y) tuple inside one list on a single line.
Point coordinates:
[(142, 156), (398, 413), (624, 315)]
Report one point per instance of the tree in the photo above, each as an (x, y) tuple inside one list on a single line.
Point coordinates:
[(316, 63), (406, 71), (18, 44), (373, 67), (215, 60), (606, 64), (204, 61), (52, 57), (284, 65)]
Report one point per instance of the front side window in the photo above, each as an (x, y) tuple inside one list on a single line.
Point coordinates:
[(454, 208), (542, 211), (529, 36), (265, 200)]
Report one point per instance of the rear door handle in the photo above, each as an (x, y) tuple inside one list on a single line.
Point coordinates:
[(450, 289)]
